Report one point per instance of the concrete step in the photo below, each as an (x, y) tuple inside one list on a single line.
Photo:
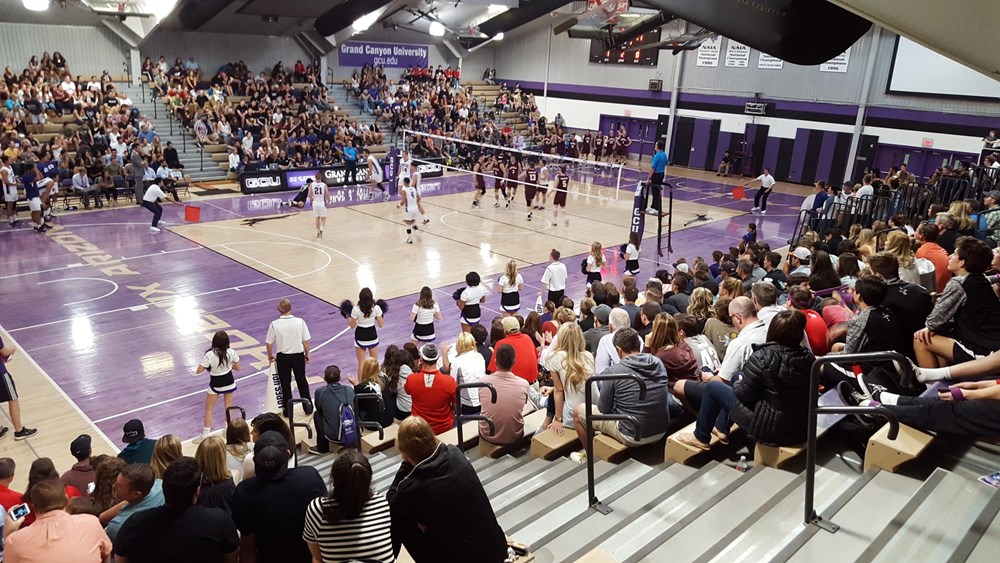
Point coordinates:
[(989, 545), (943, 521)]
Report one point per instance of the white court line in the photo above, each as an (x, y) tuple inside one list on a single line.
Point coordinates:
[(80, 265), (329, 259), (240, 215), (93, 424), (82, 279), (252, 259), (193, 393)]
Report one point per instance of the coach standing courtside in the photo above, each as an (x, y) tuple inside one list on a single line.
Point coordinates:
[(554, 279), (288, 345), (654, 186)]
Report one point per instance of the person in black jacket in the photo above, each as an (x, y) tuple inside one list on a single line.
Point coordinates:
[(771, 400), (440, 511)]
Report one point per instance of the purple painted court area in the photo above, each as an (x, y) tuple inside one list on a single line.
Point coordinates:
[(119, 317)]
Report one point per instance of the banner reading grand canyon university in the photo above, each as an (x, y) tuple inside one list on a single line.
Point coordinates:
[(393, 55)]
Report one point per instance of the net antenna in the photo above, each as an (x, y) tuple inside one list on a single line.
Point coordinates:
[(602, 168)]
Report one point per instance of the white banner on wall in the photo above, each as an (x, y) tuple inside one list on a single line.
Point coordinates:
[(737, 55), (767, 62), (838, 63), (708, 52)]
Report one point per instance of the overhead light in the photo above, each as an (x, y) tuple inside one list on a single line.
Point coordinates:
[(495, 9), (163, 8), (436, 29), (498, 37), (364, 22), (36, 5)]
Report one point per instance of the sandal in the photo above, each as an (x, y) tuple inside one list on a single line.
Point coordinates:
[(690, 440), (723, 438)]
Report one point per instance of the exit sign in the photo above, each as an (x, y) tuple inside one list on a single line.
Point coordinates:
[(927, 142)]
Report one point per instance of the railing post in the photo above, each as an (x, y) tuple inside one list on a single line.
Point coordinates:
[(361, 423), (460, 418), (810, 516), (592, 500), (306, 405)]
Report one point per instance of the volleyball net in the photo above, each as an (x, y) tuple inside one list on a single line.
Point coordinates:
[(588, 178)]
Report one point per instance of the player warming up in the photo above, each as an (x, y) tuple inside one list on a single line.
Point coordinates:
[(559, 199), (319, 197), (415, 180), (374, 175), (478, 169), (410, 202)]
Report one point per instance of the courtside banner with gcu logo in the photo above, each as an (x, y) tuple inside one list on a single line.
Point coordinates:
[(265, 181), (393, 55), (638, 222)]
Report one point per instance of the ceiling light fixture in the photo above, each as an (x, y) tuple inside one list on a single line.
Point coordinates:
[(36, 5), (498, 37), (364, 22), (436, 29)]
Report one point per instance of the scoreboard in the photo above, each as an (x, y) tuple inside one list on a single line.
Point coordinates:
[(619, 56)]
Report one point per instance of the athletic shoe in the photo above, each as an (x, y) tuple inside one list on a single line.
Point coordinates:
[(315, 451), (475, 205), (24, 433), (850, 396), (3, 431), (529, 216), (507, 205), (41, 228), (652, 211), (427, 221), (871, 389), (409, 240), (198, 440), (754, 209), (319, 234), (496, 205), (154, 230), (387, 197), (579, 457), (763, 212)]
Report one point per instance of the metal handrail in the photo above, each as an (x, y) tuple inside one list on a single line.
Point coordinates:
[(229, 418), (461, 418), (306, 406), (362, 423), (592, 499), (814, 410)]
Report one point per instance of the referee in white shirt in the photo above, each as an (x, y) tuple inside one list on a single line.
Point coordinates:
[(554, 279), (288, 344)]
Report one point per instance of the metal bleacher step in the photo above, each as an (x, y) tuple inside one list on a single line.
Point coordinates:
[(861, 518), (778, 523), (989, 545), (561, 501), (564, 470), (514, 476), (943, 521), (761, 487), (489, 469), (667, 496), (525, 479)]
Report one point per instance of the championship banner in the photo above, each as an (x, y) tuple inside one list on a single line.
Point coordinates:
[(391, 55), (638, 222)]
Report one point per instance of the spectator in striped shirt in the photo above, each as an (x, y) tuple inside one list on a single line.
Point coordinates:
[(350, 522)]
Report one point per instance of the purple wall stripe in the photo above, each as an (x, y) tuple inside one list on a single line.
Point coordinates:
[(699, 143), (798, 155), (771, 153), (826, 155)]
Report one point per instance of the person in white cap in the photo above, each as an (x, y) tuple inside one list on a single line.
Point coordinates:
[(798, 261)]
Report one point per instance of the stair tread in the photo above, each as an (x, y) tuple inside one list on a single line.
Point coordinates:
[(989, 545), (556, 473)]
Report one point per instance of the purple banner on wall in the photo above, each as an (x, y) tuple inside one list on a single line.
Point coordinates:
[(392, 55)]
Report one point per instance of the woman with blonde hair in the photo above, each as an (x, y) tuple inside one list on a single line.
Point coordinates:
[(570, 364), (960, 211), (666, 343), (509, 286), (238, 445), (217, 485), (466, 365), (373, 381), (595, 261), (730, 288), (166, 450), (700, 305), (866, 243), (852, 234), (719, 329), (899, 245)]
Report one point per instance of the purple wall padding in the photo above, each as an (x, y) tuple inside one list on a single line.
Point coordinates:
[(771, 153), (721, 146), (699, 143), (825, 161), (798, 155)]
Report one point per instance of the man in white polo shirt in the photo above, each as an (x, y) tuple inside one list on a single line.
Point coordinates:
[(288, 345), (766, 187), (151, 201), (554, 279)]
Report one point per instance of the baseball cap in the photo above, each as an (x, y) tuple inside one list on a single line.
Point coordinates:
[(801, 253), (133, 431), (270, 456), (429, 353), (510, 325), (602, 313), (80, 447), (728, 267), (994, 194), (681, 267)]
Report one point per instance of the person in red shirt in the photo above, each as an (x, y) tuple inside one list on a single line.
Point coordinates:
[(525, 353), (800, 298), (927, 235), (8, 498), (433, 393)]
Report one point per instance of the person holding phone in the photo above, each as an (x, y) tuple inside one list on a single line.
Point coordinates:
[(55, 535)]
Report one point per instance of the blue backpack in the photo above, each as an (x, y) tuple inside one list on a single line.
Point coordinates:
[(348, 430)]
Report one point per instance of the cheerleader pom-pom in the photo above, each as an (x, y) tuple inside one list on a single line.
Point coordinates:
[(346, 306), (382, 305), (457, 294)]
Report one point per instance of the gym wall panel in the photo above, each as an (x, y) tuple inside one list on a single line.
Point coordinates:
[(700, 142), (212, 50), (798, 156), (88, 50)]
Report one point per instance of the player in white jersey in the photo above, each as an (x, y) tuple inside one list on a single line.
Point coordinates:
[(409, 200), (9, 184), (405, 160), (319, 196), (415, 180), (374, 174)]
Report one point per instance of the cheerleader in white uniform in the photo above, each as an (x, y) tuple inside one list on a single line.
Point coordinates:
[(425, 311), (220, 362), (409, 200), (469, 301), (509, 286), (595, 261), (632, 255), (365, 315)]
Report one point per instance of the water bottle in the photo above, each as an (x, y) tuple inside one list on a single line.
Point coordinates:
[(743, 466)]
